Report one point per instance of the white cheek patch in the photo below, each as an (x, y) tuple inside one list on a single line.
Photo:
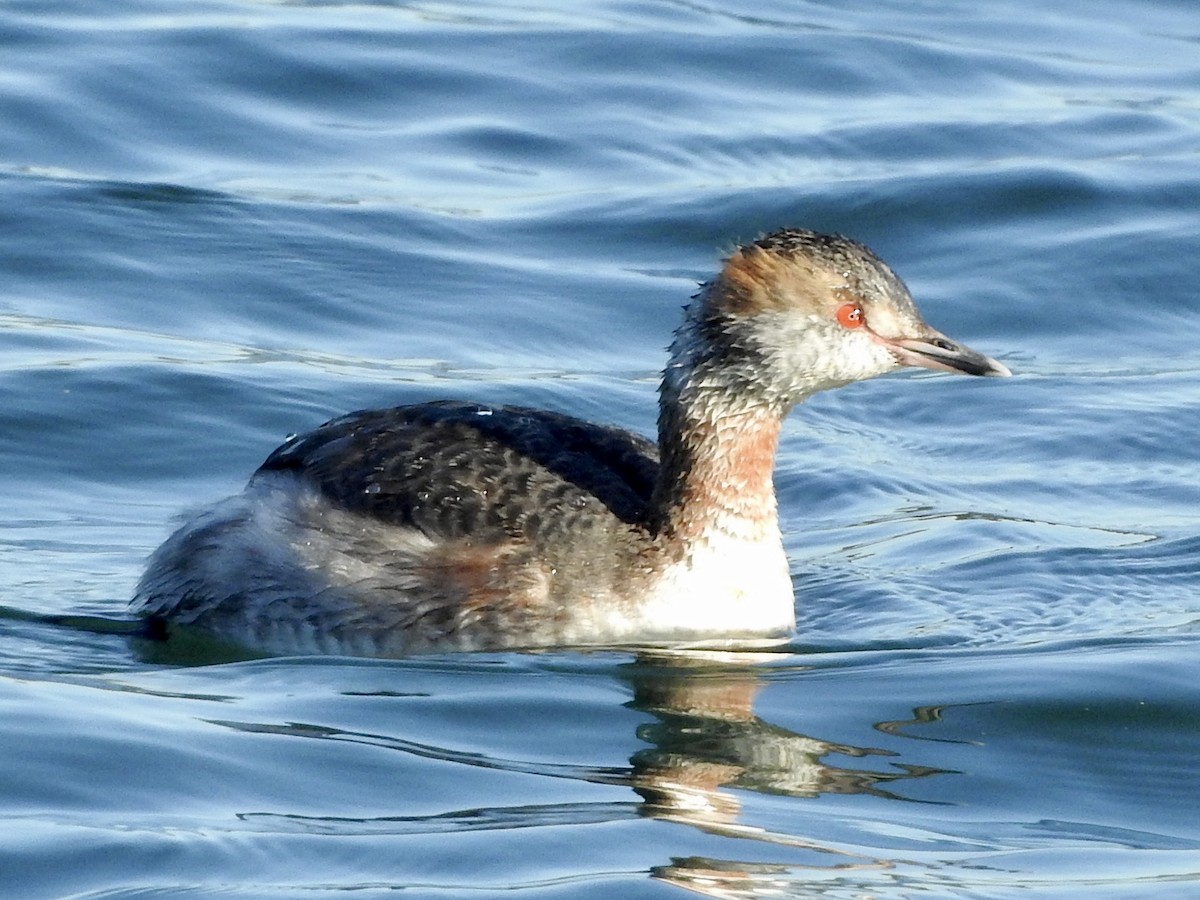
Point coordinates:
[(811, 353)]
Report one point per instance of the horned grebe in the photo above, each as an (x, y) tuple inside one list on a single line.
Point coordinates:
[(458, 526)]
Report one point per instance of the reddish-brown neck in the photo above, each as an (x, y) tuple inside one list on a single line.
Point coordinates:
[(716, 476)]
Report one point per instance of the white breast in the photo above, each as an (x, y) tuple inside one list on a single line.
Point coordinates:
[(727, 590)]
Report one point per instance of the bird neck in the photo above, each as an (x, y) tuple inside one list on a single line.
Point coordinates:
[(717, 456)]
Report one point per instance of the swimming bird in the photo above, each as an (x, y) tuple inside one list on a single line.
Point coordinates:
[(454, 526)]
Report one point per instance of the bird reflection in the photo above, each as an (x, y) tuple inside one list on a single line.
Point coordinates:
[(705, 744), (703, 750)]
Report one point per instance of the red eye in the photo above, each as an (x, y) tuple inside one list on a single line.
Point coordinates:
[(850, 315)]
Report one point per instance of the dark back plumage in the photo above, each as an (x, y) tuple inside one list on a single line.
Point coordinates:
[(454, 469)]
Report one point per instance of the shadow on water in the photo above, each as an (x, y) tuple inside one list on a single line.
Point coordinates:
[(186, 647), (76, 622)]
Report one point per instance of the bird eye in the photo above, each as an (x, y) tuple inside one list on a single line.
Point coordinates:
[(850, 315)]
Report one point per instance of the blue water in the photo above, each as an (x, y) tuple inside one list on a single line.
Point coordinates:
[(223, 222)]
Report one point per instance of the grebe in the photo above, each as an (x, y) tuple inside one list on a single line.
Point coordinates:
[(456, 526)]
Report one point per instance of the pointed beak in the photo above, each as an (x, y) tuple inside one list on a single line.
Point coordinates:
[(933, 350)]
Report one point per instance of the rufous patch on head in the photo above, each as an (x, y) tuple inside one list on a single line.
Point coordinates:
[(757, 280)]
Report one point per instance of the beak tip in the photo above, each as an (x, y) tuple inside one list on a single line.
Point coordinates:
[(998, 369)]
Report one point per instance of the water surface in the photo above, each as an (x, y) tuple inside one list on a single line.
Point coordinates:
[(227, 223)]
